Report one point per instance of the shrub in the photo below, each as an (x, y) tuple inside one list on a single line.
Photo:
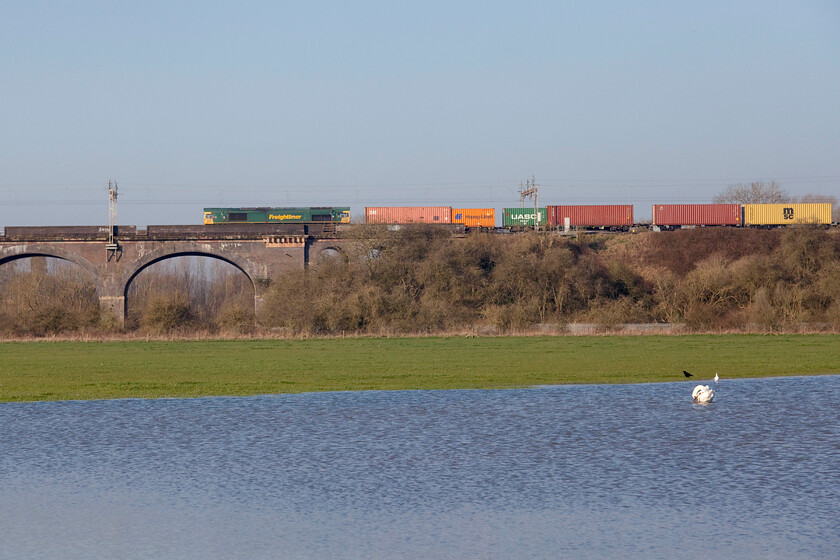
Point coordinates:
[(761, 314), (43, 301), (234, 319), (680, 251), (609, 314), (702, 316), (165, 314)]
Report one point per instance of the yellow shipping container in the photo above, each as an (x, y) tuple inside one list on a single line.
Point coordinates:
[(784, 214), (474, 217)]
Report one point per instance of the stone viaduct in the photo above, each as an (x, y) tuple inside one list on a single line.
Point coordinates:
[(262, 252)]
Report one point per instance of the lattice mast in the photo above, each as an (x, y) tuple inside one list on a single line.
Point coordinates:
[(112, 210), (112, 248), (531, 190)]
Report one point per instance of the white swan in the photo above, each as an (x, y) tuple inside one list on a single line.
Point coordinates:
[(716, 377), (702, 394)]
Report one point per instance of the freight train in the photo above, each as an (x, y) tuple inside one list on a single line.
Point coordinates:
[(612, 217)]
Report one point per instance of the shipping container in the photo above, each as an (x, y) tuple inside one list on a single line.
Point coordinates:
[(521, 217), (784, 214), (591, 216), (474, 217), (264, 215), (408, 215), (696, 215)]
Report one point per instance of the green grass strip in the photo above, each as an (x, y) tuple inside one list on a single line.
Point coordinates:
[(48, 371)]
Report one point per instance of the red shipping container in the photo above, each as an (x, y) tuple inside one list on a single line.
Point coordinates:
[(408, 215), (696, 215), (598, 215)]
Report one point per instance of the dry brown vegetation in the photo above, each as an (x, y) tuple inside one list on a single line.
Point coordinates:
[(419, 280), (39, 301), (185, 295), (49, 297)]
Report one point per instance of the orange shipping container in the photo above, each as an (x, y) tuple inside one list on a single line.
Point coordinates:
[(408, 215), (474, 217)]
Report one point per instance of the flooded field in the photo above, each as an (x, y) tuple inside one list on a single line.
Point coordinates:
[(631, 471)]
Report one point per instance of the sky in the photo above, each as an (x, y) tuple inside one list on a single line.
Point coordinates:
[(204, 104)]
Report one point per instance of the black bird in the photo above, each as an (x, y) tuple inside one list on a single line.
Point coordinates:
[(686, 374)]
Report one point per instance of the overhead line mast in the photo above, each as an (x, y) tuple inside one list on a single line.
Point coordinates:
[(112, 249), (530, 190)]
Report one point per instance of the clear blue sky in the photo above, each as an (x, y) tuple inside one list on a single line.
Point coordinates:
[(194, 104)]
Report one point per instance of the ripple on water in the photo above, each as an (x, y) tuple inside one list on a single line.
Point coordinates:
[(635, 471)]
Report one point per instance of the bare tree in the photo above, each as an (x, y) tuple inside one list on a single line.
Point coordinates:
[(208, 286), (50, 297), (757, 192), (810, 197)]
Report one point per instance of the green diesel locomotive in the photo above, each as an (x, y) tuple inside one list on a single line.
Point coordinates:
[(303, 215)]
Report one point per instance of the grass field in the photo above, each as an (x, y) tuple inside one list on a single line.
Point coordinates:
[(43, 371)]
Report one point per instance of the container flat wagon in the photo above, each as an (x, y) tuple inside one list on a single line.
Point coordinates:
[(408, 215), (64, 233), (679, 215), (786, 214), (524, 217), (225, 230), (263, 215), (596, 216), (474, 217)]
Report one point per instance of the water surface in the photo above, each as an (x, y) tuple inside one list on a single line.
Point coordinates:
[(630, 471)]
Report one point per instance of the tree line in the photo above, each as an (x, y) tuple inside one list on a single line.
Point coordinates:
[(417, 280), (421, 280)]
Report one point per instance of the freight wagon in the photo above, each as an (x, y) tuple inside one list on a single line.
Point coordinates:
[(524, 217), (784, 214), (612, 217), (408, 215), (64, 233), (682, 215), (262, 215)]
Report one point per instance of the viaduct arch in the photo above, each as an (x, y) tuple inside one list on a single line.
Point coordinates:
[(163, 254), (44, 250), (259, 255)]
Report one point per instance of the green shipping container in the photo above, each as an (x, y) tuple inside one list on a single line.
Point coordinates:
[(518, 217)]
